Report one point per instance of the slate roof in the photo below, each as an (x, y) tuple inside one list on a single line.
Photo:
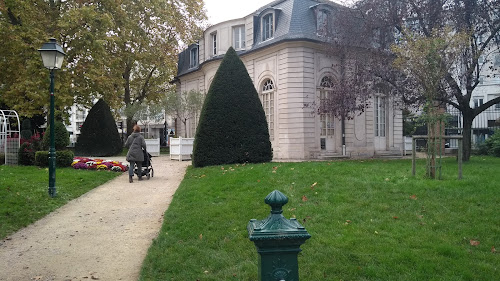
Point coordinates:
[(295, 20)]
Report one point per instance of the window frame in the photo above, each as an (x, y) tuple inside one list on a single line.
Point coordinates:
[(267, 97), (213, 43), (268, 33), (323, 22), (326, 120), (193, 60), (380, 116), (240, 34), (478, 101)]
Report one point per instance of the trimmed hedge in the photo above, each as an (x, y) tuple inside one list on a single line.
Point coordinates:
[(64, 158), (232, 126), (61, 136), (26, 154), (99, 134)]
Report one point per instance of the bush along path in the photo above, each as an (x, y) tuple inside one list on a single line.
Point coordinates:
[(103, 235)]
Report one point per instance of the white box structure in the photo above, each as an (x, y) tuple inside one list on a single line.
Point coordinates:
[(181, 148), (153, 146)]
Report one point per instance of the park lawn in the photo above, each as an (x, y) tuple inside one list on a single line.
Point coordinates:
[(24, 196), (369, 220)]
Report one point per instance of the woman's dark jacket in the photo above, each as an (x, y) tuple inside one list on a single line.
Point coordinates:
[(135, 143)]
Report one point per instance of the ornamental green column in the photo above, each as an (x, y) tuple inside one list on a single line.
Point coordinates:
[(278, 241)]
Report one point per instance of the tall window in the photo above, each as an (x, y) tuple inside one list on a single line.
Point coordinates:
[(326, 119), (322, 25), (239, 37), (193, 57), (214, 44), (478, 102), (267, 99), (267, 26), (379, 116)]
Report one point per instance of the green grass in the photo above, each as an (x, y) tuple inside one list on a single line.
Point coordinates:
[(24, 194), (369, 220)]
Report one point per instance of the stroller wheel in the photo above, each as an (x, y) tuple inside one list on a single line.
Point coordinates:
[(152, 172), (147, 176)]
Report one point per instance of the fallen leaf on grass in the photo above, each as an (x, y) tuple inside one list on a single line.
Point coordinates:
[(304, 198), (493, 250), (474, 242), (414, 197), (313, 185), (201, 236), (395, 217)]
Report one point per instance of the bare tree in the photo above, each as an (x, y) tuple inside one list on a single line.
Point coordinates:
[(479, 19), (183, 106)]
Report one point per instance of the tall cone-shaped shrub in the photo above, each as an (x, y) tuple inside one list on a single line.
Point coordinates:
[(232, 126), (99, 135)]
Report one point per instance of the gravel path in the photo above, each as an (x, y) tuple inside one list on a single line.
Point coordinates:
[(102, 235)]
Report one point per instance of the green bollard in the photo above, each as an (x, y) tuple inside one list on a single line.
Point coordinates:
[(278, 241)]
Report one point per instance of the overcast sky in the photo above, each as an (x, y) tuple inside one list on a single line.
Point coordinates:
[(222, 10)]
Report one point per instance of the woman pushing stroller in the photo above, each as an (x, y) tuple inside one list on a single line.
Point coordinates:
[(136, 143)]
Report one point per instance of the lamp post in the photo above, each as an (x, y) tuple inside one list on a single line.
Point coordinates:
[(52, 57)]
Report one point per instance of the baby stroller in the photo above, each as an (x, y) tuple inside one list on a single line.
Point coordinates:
[(147, 168)]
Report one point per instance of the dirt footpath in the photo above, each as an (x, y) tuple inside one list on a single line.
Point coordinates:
[(103, 235)]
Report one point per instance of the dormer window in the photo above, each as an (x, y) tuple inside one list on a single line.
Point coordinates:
[(323, 22), (193, 57), (267, 26), (214, 43)]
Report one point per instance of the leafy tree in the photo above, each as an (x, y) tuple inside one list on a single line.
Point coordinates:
[(24, 27), (428, 60), (183, 106), (61, 136), (146, 114), (478, 19), (99, 134), (232, 126), (123, 51), (140, 48)]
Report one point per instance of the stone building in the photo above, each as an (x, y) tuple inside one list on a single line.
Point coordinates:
[(282, 47)]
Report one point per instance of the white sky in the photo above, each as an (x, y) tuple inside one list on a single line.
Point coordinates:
[(222, 10)]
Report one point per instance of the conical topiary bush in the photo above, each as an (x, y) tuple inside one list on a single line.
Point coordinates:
[(99, 135), (232, 126)]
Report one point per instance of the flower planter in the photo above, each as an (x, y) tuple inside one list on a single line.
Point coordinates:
[(153, 146), (181, 148)]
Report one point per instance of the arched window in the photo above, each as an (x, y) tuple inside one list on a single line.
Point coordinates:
[(267, 99), (326, 117)]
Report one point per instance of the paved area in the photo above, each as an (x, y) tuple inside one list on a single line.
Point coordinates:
[(103, 235)]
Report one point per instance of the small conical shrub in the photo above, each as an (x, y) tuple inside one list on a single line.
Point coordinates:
[(61, 136), (99, 135), (232, 126), (26, 131)]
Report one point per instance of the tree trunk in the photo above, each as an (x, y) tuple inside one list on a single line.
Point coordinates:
[(126, 98), (467, 135)]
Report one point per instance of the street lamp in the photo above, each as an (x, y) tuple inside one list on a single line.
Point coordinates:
[(52, 57)]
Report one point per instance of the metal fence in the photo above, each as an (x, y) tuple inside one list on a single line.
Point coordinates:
[(483, 126)]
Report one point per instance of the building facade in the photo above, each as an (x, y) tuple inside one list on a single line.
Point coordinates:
[(282, 47)]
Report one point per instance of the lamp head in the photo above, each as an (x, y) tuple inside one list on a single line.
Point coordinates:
[(52, 54)]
